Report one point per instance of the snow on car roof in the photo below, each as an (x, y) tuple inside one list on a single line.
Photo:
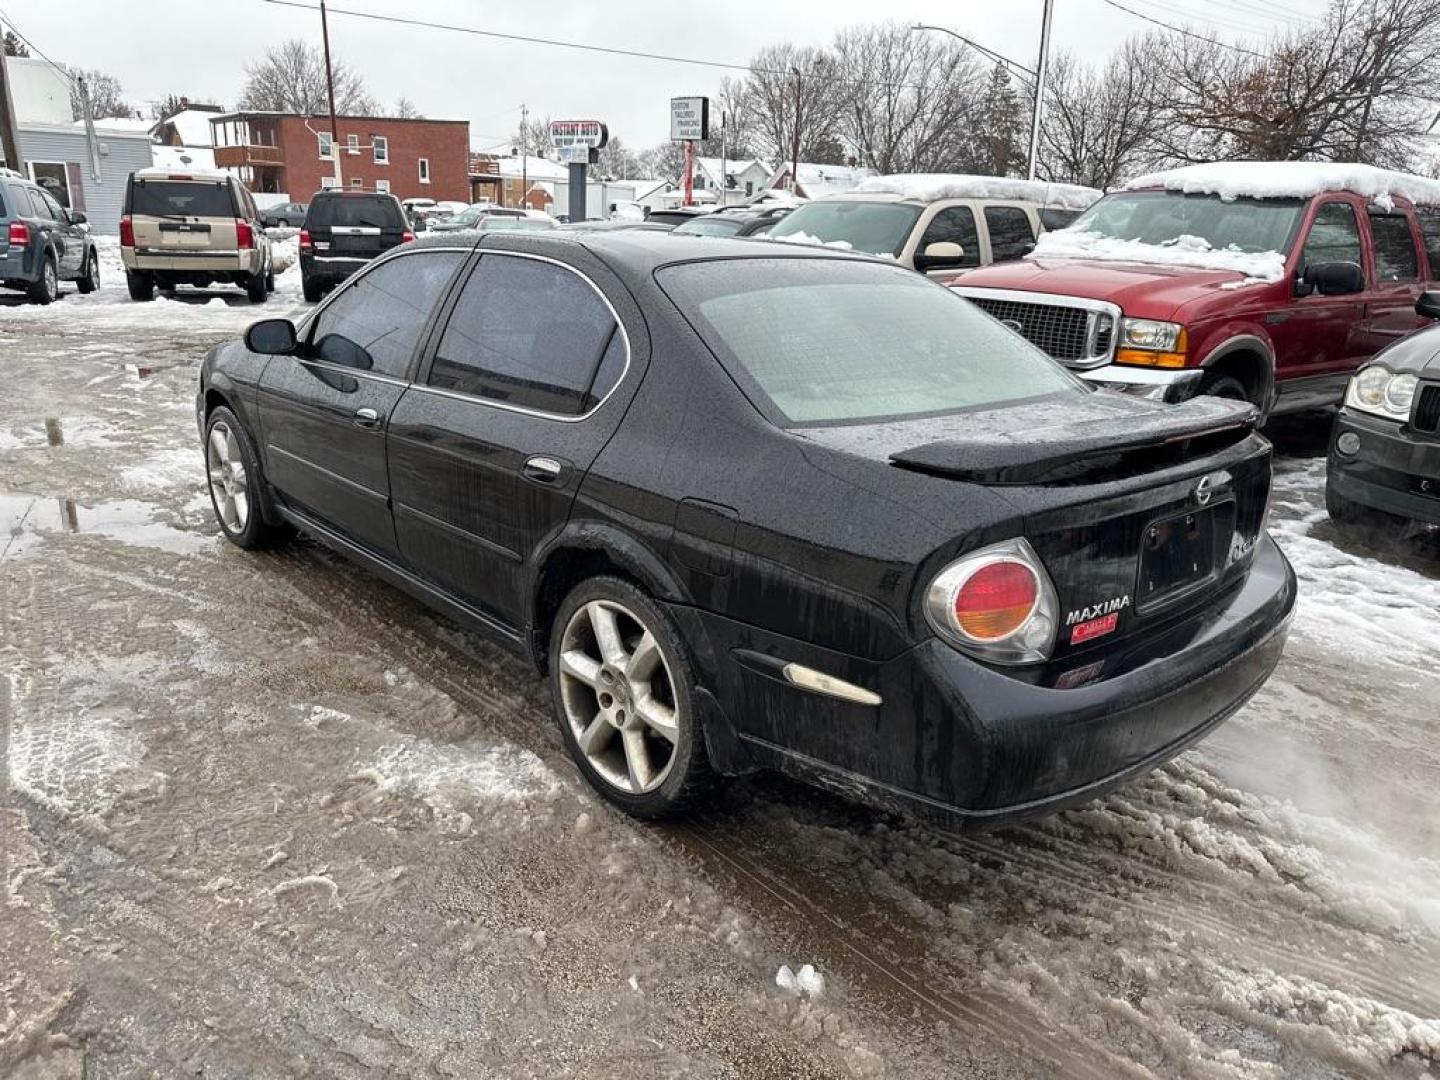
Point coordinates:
[(1292, 179), (928, 187)]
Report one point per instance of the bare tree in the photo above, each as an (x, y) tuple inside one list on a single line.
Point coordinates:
[(908, 99), (618, 161), (791, 101), (405, 109), (107, 96), (291, 79), (1354, 88), (1100, 126), (532, 136)]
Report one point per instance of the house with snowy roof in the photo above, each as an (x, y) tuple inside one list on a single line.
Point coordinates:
[(740, 179), (813, 180), (189, 126)]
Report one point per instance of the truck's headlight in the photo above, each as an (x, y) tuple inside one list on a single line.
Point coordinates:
[(1151, 343), (1150, 334), (1380, 392)]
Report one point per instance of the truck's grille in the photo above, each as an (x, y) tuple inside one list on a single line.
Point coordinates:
[(1426, 415), (1078, 332)]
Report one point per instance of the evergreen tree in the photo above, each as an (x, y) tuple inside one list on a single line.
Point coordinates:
[(1003, 125), (13, 46)]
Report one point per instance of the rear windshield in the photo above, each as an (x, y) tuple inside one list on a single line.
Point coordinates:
[(881, 228), (177, 198), (355, 210), (837, 340)]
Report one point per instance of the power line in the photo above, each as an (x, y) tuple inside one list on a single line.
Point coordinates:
[(582, 47), (1229, 21), (1175, 29)]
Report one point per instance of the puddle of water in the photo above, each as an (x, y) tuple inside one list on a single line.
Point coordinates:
[(27, 520)]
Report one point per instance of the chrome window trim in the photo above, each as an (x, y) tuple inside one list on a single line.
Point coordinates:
[(1095, 307), (561, 417)]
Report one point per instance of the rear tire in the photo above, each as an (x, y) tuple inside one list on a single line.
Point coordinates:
[(91, 281), (46, 288), (311, 290), (235, 482), (141, 285), (255, 289), (622, 683)]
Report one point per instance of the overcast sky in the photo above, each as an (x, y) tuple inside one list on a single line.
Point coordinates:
[(199, 48)]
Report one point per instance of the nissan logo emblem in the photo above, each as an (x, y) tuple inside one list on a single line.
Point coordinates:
[(1013, 324), (1202, 491)]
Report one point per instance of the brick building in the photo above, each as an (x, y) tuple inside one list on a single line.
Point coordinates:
[(284, 153)]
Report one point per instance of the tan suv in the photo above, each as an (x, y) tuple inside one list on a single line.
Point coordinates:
[(192, 228), (938, 223)]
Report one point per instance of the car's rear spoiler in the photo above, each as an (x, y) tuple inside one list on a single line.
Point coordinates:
[(1003, 449)]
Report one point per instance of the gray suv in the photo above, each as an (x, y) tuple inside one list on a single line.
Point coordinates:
[(42, 243)]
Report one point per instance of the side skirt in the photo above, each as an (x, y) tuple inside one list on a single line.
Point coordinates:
[(459, 611), (1313, 392)]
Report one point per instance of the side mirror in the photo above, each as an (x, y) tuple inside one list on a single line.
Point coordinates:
[(1335, 278), (271, 337), (77, 217), (939, 255), (1428, 305)]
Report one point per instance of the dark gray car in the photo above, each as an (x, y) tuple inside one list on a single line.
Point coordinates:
[(284, 215)]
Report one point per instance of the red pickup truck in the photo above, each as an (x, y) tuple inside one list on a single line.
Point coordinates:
[(1268, 281)]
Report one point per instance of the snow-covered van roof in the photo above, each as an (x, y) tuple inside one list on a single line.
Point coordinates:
[(929, 187), (1292, 179)]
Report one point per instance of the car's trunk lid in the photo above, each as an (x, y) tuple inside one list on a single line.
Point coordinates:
[(1138, 510)]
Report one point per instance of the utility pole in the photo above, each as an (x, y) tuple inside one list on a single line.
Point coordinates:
[(9, 136), (724, 181), (1040, 69), (330, 91), (524, 158), (795, 138)]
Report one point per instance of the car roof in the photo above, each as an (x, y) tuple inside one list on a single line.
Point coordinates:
[(208, 176)]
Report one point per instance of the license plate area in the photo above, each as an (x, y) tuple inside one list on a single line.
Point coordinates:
[(1178, 555)]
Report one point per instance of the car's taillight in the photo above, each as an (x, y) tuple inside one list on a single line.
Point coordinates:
[(996, 603), (19, 234), (407, 236), (305, 244), (127, 231), (244, 235)]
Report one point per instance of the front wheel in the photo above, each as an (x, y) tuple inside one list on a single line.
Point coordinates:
[(91, 280), (623, 683), (1225, 386), (234, 478)]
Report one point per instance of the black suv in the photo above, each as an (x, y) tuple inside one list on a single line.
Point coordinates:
[(343, 231), (752, 505), (42, 243)]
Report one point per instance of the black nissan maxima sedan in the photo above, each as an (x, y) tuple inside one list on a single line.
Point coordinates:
[(1385, 447), (749, 505)]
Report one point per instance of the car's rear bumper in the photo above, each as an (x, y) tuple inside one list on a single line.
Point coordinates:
[(331, 268), (162, 260), (973, 746), (1157, 384), (1392, 469)]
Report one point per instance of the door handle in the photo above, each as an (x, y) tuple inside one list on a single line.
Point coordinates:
[(367, 418), (543, 470)]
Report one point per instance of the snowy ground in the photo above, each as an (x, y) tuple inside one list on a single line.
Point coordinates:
[(261, 815)]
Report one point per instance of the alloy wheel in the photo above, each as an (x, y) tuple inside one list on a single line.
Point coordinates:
[(52, 282), (229, 484), (619, 696)]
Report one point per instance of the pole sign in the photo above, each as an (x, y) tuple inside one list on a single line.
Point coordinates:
[(689, 118), (589, 134)]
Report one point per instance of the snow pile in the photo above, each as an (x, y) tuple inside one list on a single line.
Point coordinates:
[(1292, 179), (1184, 250), (928, 187), (808, 982), (813, 241), (453, 777)]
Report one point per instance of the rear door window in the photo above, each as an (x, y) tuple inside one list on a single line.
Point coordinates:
[(178, 198), (955, 224), (1430, 232), (532, 335), (38, 206), (1010, 233), (1395, 258), (374, 323), (1334, 236)]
